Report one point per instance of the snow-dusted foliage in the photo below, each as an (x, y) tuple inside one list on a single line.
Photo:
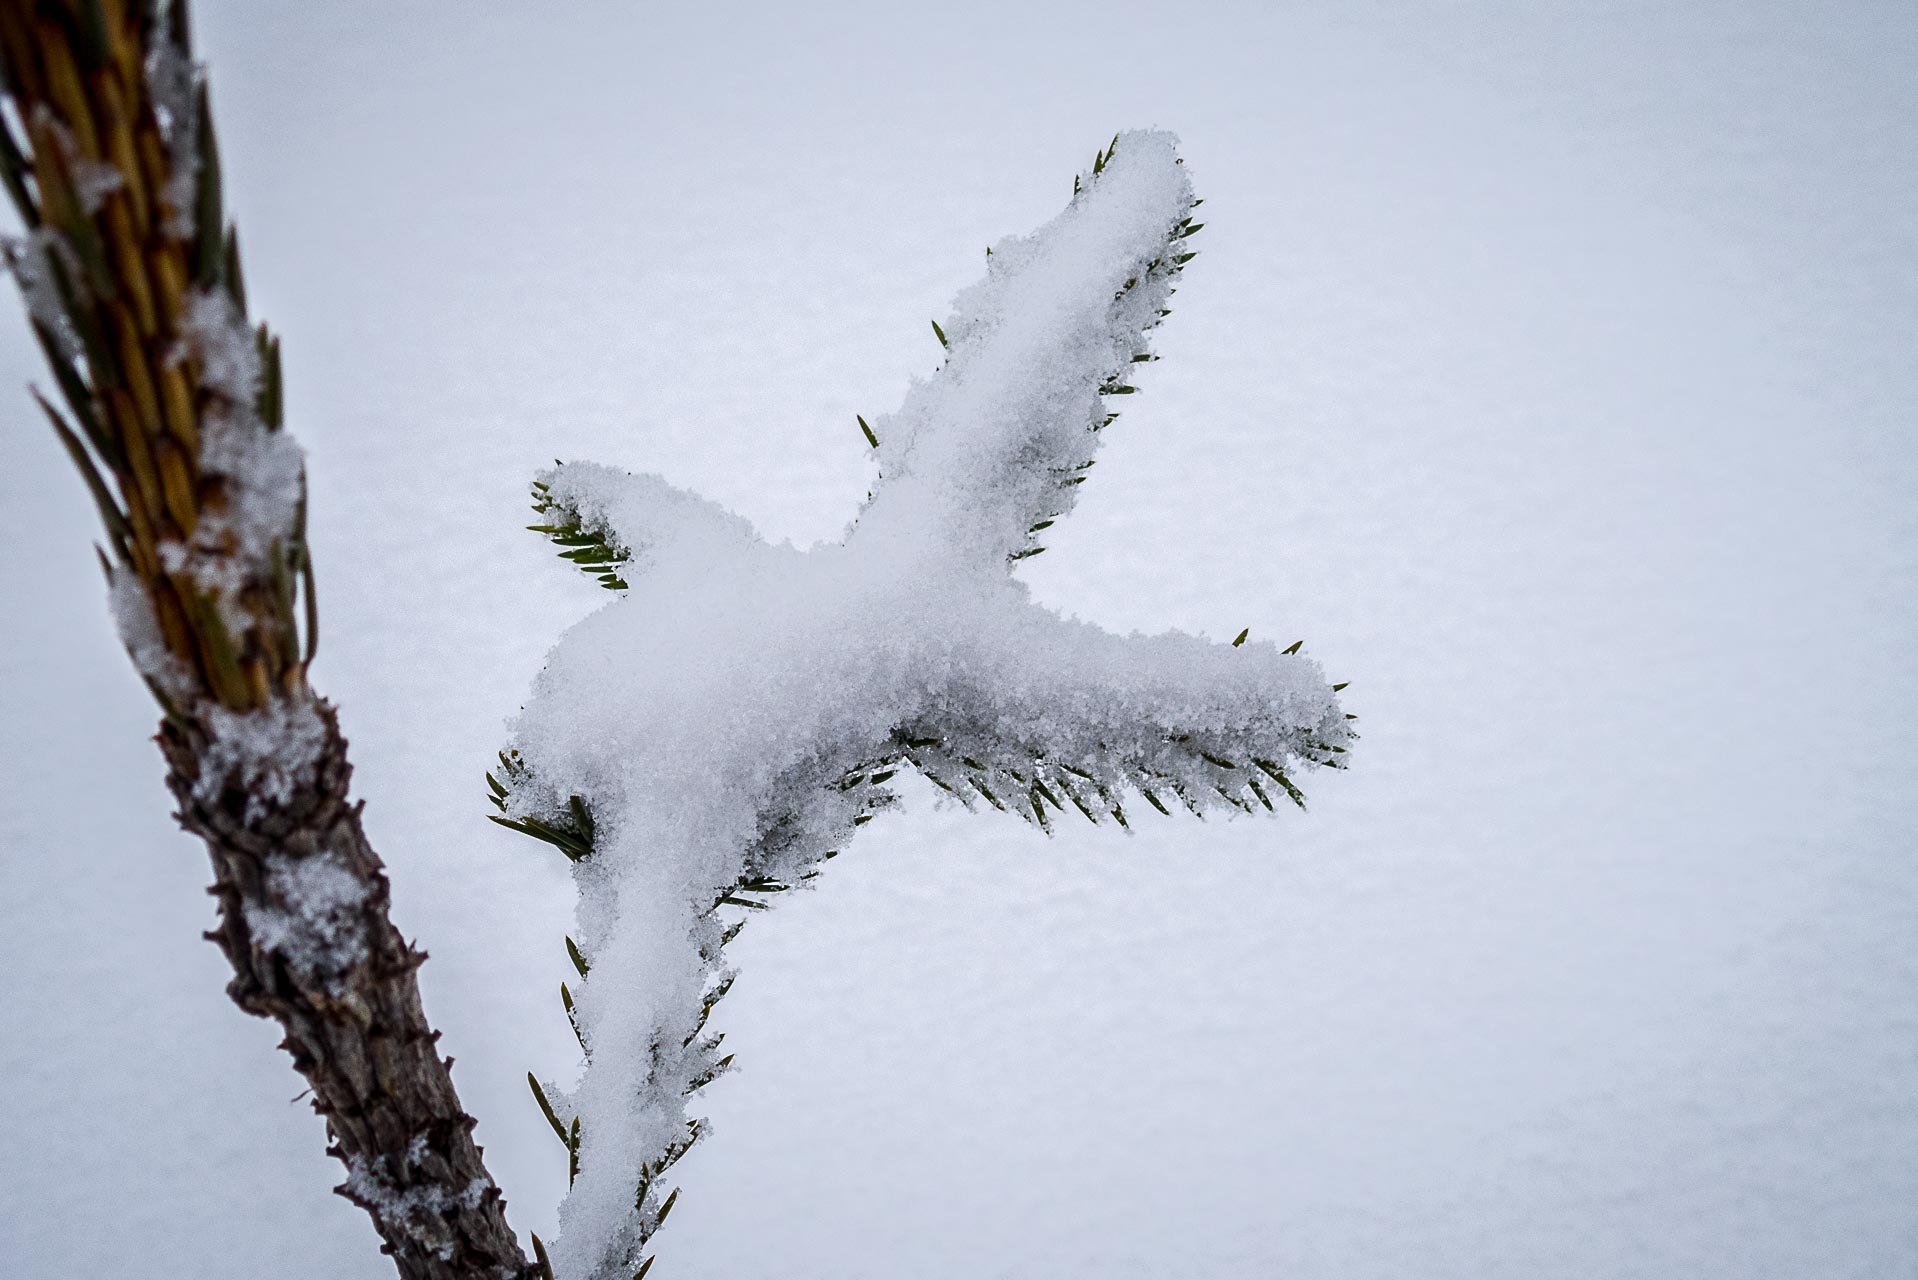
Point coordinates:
[(140, 633), (174, 82), (722, 726), (216, 498), (264, 469), (30, 258)]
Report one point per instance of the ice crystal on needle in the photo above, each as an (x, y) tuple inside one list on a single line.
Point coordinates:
[(724, 724)]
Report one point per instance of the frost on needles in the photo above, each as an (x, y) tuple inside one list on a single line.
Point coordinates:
[(722, 726)]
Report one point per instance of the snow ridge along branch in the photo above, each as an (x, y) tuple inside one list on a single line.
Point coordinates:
[(171, 408), (717, 731)]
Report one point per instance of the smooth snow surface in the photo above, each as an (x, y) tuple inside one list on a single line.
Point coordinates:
[(1546, 368)]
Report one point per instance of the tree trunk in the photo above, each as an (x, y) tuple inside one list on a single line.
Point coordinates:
[(303, 903)]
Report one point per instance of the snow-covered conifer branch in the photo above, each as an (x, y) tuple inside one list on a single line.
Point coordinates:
[(583, 537), (714, 734), (1073, 720), (990, 452), (171, 409)]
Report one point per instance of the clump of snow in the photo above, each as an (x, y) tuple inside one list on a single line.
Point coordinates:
[(739, 711), (642, 515), (318, 931), (411, 1211), (264, 470), (94, 181), (270, 752), (140, 632), (215, 334), (29, 258), (173, 82)]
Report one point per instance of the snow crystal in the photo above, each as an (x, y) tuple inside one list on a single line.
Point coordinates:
[(140, 632), (737, 712)]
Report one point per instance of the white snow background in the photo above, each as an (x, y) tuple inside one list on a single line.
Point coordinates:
[(1548, 369)]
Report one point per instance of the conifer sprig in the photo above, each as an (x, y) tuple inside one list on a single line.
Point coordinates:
[(127, 253), (591, 546), (571, 830), (973, 749)]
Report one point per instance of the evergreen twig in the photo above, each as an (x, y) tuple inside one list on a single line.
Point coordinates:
[(976, 750)]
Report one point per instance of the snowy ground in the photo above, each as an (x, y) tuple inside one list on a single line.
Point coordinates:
[(1549, 373)]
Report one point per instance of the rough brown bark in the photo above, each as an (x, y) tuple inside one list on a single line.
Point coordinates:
[(353, 1020)]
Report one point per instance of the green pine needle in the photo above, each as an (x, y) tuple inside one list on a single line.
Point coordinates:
[(546, 1108)]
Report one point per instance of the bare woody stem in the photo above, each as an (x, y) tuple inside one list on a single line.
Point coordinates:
[(171, 410), (357, 1034)]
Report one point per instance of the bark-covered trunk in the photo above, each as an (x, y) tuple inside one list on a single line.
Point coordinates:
[(303, 904)]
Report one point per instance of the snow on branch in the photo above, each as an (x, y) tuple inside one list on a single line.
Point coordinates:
[(603, 519), (1062, 718), (718, 730), (991, 449)]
